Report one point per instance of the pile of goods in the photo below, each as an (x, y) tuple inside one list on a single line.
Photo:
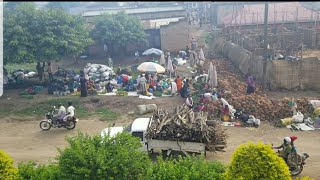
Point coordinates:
[(183, 124), (99, 71), (256, 104)]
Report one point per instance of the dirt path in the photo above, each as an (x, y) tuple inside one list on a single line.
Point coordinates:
[(24, 141)]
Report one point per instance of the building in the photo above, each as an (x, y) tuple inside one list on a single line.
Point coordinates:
[(167, 27)]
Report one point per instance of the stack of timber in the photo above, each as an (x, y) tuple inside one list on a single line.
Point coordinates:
[(183, 124)]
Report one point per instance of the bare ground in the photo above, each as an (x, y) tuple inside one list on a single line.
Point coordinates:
[(24, 140)]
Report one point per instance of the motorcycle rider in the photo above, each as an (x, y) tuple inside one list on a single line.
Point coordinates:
[(61, 112), (286, 148), (70, 112)]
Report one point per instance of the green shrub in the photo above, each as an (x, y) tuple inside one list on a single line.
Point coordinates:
[(7, 170), (257, 161), (305, 178), (186, 168), (29, 171), (96, 157)]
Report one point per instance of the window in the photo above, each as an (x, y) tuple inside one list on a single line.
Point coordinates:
[(138, 135)]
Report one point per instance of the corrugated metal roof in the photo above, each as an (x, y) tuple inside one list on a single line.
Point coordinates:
[(156, 23), (278, 13), (134, 11)]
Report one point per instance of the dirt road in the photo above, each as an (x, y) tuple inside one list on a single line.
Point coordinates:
[(25, 141)]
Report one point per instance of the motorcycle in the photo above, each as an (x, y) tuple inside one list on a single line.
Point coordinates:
[(296, 162), (52, 121)]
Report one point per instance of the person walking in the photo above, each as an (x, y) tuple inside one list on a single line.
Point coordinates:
[(83, 85)]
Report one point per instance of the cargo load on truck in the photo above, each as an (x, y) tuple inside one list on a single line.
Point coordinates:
[(184, 125)]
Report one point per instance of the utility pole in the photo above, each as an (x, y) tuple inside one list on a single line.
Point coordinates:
[(266, 7)]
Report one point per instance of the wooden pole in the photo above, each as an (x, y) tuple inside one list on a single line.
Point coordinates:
[(266, 7)]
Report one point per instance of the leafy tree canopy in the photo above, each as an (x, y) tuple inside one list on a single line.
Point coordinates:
[(32, 35), (118, 29)]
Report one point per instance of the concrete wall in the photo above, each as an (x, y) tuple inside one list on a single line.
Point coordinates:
[(175, 36), (281, 74)]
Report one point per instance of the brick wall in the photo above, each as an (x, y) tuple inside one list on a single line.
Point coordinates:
[(175, 36)]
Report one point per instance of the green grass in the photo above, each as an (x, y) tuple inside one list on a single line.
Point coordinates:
[(106, 115), (25, 66), (40, 109)]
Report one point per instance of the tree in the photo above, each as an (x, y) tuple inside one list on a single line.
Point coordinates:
[(96, 157), (37, 35), (257, 161), (118, 30), (7, 170)]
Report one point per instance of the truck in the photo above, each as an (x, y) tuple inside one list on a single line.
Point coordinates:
[(139, 127)]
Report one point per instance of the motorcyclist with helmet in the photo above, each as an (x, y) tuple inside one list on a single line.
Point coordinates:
[(286, 148)]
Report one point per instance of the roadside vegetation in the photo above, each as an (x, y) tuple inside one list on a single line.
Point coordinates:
[(41, 108), (119, 157)]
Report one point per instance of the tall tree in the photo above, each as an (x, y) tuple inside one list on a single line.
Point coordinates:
[(37, 35), (118, 30)]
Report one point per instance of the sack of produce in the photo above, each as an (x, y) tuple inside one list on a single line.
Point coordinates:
[(143, 109), (96, 75), (86, 70), (93, 70), (91, 73), (97, 66), (298, 118), (101, 70), (105, 74), (32, 74)]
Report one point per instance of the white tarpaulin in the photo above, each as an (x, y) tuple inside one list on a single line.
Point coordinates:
[(162, 60), (212, 73), (201, 55)]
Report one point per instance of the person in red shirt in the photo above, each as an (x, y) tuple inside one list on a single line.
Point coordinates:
[(293, 138)]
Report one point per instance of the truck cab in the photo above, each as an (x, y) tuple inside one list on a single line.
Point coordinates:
[(137, 128)]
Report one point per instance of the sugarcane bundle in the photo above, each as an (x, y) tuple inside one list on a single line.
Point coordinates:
[(183, 124)]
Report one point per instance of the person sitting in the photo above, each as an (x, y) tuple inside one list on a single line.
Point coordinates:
[(208, 96), (286, 148), (189, 102), (70, 112), (293, 138), (151, 89), (61, 113), (109, 87), (159, 87)]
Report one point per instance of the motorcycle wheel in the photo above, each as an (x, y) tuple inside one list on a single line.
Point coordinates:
[(45, 125), (297, 170), (70, 125)]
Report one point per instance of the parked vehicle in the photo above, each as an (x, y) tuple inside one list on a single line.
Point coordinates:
[(139, 127), (52, 121)]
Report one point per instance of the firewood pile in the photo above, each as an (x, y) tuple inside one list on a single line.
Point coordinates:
[(258, 104), (183, 124)]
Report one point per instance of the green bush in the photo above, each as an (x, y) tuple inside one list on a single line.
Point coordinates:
[(257, 161), (7, 170), (305, 178), (29, 171), (106, 157), (186, 168)]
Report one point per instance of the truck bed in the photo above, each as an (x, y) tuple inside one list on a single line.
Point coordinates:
[(157, 146)]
